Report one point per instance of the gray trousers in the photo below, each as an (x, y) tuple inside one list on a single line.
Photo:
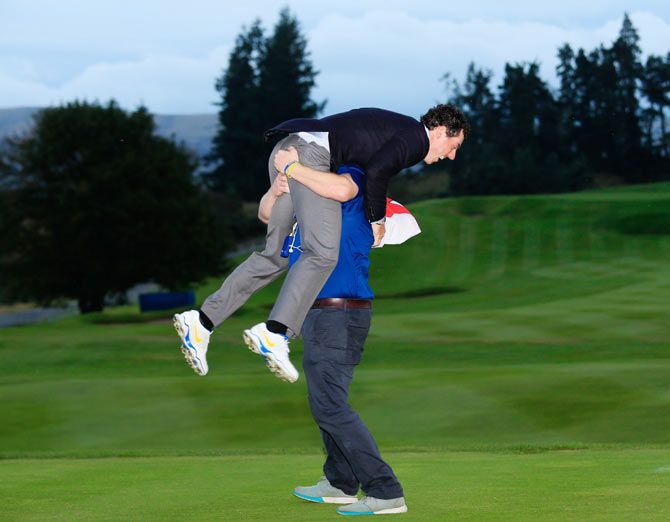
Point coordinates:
[(320, 221), (333, 344)]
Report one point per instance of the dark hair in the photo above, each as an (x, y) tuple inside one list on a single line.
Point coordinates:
[(449, 116)]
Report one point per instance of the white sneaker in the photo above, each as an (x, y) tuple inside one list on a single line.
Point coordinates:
[(324, 492), (194, 340), (274, 349), (375, 506)]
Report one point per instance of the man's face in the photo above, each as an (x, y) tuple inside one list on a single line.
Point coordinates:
[(442, 146)]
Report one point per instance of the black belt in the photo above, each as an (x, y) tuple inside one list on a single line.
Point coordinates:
[(346, 304)]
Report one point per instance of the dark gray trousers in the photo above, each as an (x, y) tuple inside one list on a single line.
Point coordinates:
[(320, 221), (333, 345)]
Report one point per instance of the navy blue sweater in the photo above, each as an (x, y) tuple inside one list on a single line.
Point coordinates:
[(382, 142)]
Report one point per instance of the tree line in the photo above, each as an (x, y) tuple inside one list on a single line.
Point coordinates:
[(607, 120)]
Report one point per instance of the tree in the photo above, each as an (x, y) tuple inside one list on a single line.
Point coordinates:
[(526, 138), (527, 108), (238, 146), (599, 91), (656, 88), (96, 202), (267, 80), (479, 162), (567, 94), (625, 123), (529, 130), (572, 171), (286, 74), (477, 100), (516, 138)]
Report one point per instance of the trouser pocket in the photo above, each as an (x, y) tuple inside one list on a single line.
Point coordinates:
[(335, 335)]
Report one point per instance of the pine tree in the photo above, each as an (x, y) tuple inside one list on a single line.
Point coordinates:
[(529, 125), (287, 76), (625, 57), (656, 88), (567, 100), (237, 146), (268, 80), (479, 163), (572, 172), (537, 140)]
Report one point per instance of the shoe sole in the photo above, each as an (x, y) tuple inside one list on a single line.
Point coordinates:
[(189, 353), (271, 362), (326, 500), (390, 511)]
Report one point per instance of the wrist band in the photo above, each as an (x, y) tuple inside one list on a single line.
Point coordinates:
[(288, 167)]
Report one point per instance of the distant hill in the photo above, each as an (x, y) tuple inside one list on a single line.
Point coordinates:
[(16, 121), (195, 130)]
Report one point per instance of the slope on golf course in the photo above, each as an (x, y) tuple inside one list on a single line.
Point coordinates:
[(518, 368)]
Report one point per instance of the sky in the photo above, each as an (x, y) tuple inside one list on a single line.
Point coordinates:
[(166, 55)]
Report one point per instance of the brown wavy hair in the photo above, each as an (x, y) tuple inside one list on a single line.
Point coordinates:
[(449, 116)]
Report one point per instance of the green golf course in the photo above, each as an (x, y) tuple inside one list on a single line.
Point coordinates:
[(518, 369)]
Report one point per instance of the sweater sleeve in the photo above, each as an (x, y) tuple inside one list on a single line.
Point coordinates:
[(385, 163)]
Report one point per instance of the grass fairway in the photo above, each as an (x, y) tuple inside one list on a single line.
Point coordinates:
[(561, 485), (517, 369)]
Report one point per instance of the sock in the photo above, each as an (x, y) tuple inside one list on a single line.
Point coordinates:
[(276, 327), (206, 321)]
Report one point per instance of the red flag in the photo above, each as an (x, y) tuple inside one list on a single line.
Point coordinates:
[(400, 224)]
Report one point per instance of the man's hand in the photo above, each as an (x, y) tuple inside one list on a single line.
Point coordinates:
[(277, 189), (378, 231), (284, 157), (280, 185)]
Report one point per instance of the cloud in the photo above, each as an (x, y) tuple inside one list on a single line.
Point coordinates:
[(164, 83), (389, 57), (398, 59), (158, 81)]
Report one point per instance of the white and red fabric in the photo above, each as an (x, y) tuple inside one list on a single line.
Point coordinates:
[(400, 224)]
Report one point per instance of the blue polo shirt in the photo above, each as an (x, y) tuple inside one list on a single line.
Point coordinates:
[(350, 277)]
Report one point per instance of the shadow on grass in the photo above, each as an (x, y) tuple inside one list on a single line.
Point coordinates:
[(421, 292), (649, 223)]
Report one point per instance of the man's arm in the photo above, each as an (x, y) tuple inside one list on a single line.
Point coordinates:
[(276, 190), (339, 187), (321, 180), (384, 164)]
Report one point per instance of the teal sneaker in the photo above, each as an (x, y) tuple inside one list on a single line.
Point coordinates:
[(375, 506), (323, 492)]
